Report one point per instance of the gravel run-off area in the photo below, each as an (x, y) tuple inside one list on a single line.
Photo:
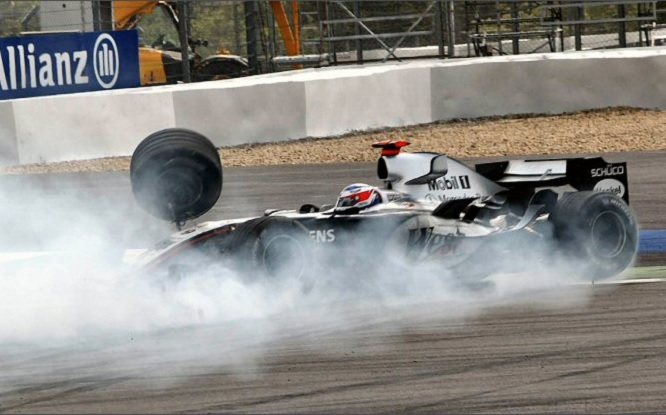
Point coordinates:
[(598, 131)]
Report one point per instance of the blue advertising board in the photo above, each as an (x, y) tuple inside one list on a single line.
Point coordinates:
[(63, 63)]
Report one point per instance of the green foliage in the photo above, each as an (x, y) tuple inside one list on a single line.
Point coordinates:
[(214, 22), (158, 26), (11, 14), (661, 17)]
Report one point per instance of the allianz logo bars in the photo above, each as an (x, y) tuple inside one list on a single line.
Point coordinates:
[(106, 63), (68, 62)]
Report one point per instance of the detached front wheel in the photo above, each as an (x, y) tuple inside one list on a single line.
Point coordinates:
[(176, 174), (597, 229)]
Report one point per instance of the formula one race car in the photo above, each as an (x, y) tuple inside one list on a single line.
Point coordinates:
[(433, 212)]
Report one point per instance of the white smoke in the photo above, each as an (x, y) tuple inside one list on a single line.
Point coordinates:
[(85, 301)]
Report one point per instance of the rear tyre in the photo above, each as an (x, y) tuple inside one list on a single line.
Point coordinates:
[(598, 229), (176, 174)]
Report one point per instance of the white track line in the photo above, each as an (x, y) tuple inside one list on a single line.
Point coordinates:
[(630, 281)]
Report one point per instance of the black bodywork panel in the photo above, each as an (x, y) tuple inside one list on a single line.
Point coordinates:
[(593, 173)]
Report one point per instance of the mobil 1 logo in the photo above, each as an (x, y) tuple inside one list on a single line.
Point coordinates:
[(450, 183), (449, 187)]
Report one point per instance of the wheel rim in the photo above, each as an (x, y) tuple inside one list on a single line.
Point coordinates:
[(180, 188), (609, 235), (284, 257)]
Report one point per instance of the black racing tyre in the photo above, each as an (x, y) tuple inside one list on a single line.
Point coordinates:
[(176, 174), (597, 228), (281, 251)]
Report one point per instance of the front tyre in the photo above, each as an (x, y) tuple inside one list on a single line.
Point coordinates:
[(598, 229), (280, 251), (176, 174)]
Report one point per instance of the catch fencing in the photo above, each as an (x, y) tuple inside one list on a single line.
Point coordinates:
[(283, 35)]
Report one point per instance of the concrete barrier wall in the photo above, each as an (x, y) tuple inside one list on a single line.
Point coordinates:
[(243, 113), (392, 96), (547, 86), (8, 136), (82, 126), (330, 101)]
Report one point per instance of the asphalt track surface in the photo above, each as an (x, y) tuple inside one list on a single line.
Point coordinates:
[(543, 352)]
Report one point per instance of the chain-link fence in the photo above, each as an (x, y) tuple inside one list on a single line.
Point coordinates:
[(281, 35)]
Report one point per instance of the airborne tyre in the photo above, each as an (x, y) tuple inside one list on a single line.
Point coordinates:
[(598, 229), (176, 174)]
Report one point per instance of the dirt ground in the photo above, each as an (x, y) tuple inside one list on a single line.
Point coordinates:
[(607, 130)]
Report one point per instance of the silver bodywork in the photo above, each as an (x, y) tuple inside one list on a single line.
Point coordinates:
[(435, 210)]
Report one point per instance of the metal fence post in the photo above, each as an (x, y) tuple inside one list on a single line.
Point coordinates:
[(251, 11), (439, 29), (101, 10), (622, 29), (578, 28), (451, 28), (237, 40), (183, 31), (515, 27), (272, 50), (357, 32)]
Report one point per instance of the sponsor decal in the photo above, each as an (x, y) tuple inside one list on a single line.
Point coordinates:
[(391, 197), (423, 243), (449, 183), (68, 62), (323, 235), (441, 198), (607, 171), (610, 186), (106, 61)]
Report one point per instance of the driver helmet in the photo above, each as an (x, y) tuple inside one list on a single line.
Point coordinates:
[(360, 196)]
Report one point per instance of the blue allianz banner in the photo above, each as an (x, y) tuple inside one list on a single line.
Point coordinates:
[(63, 63)]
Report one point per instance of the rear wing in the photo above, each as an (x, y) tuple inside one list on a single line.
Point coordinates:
[(435, 176), (592, 173)]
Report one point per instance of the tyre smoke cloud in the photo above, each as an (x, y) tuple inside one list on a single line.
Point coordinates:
[(83, 301)]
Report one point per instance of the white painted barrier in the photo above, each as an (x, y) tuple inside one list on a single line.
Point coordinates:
[(243, 112), (88, 125), (8, 136), (330, 101), (566, 83), (366, 98)]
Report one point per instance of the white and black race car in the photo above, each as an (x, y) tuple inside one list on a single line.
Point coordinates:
[(433, 212)]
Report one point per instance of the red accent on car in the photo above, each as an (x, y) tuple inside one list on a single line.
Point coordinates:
[(390, 147)]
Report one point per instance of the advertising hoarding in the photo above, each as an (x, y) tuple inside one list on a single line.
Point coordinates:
[(62, 63)]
